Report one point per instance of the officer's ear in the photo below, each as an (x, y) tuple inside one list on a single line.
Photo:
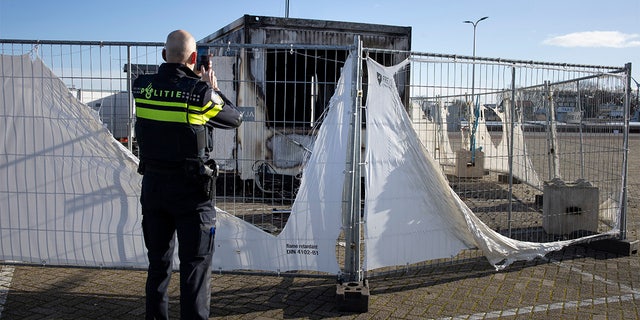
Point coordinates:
[(164, 54), (193, 57)]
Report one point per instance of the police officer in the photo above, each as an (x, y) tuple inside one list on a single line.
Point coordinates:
[(175, 112)]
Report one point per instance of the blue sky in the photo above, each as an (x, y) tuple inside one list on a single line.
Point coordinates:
[(571, 31)]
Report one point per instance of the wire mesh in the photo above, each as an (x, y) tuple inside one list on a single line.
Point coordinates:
[(505, 184), (491, 135)]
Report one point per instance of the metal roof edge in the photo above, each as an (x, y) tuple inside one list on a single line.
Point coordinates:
[(252, 21)]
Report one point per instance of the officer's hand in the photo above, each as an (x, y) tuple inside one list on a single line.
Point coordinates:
[(209, 76)]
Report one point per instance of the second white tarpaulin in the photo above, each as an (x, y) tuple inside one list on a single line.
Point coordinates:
[(411, 213)]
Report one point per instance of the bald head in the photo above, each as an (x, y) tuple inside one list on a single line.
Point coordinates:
[(180, 47)]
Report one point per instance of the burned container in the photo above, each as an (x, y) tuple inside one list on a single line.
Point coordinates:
[(282, 73)]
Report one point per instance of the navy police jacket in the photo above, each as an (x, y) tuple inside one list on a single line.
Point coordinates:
[(175, 112)]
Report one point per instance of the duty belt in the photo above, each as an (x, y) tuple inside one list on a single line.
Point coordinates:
[(187, 167)]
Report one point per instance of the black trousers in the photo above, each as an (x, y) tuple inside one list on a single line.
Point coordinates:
[(174, 204)]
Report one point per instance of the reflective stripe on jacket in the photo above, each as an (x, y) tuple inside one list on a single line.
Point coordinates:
[(176, 111)]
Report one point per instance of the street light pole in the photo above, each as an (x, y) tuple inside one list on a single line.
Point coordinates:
[(473, 68), (472, 146), (286, 9)]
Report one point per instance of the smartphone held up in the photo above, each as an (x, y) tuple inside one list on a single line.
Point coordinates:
[(204, 58)]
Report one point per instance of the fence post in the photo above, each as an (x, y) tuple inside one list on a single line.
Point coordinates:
[(352, 291), (579, 105), (512, 114), (131, 108), (625, 156), (622, 245), (554, 168)]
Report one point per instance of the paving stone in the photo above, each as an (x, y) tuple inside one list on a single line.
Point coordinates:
[(574, 283)]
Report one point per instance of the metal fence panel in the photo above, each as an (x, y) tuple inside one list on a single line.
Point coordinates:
[(548, 167), (492, 134)]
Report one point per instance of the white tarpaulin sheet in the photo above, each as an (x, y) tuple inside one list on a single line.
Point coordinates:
[(411, 213), (431, 121), (408, 203), (68, 190), (496, 158), (308, 240), (71, 192)]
